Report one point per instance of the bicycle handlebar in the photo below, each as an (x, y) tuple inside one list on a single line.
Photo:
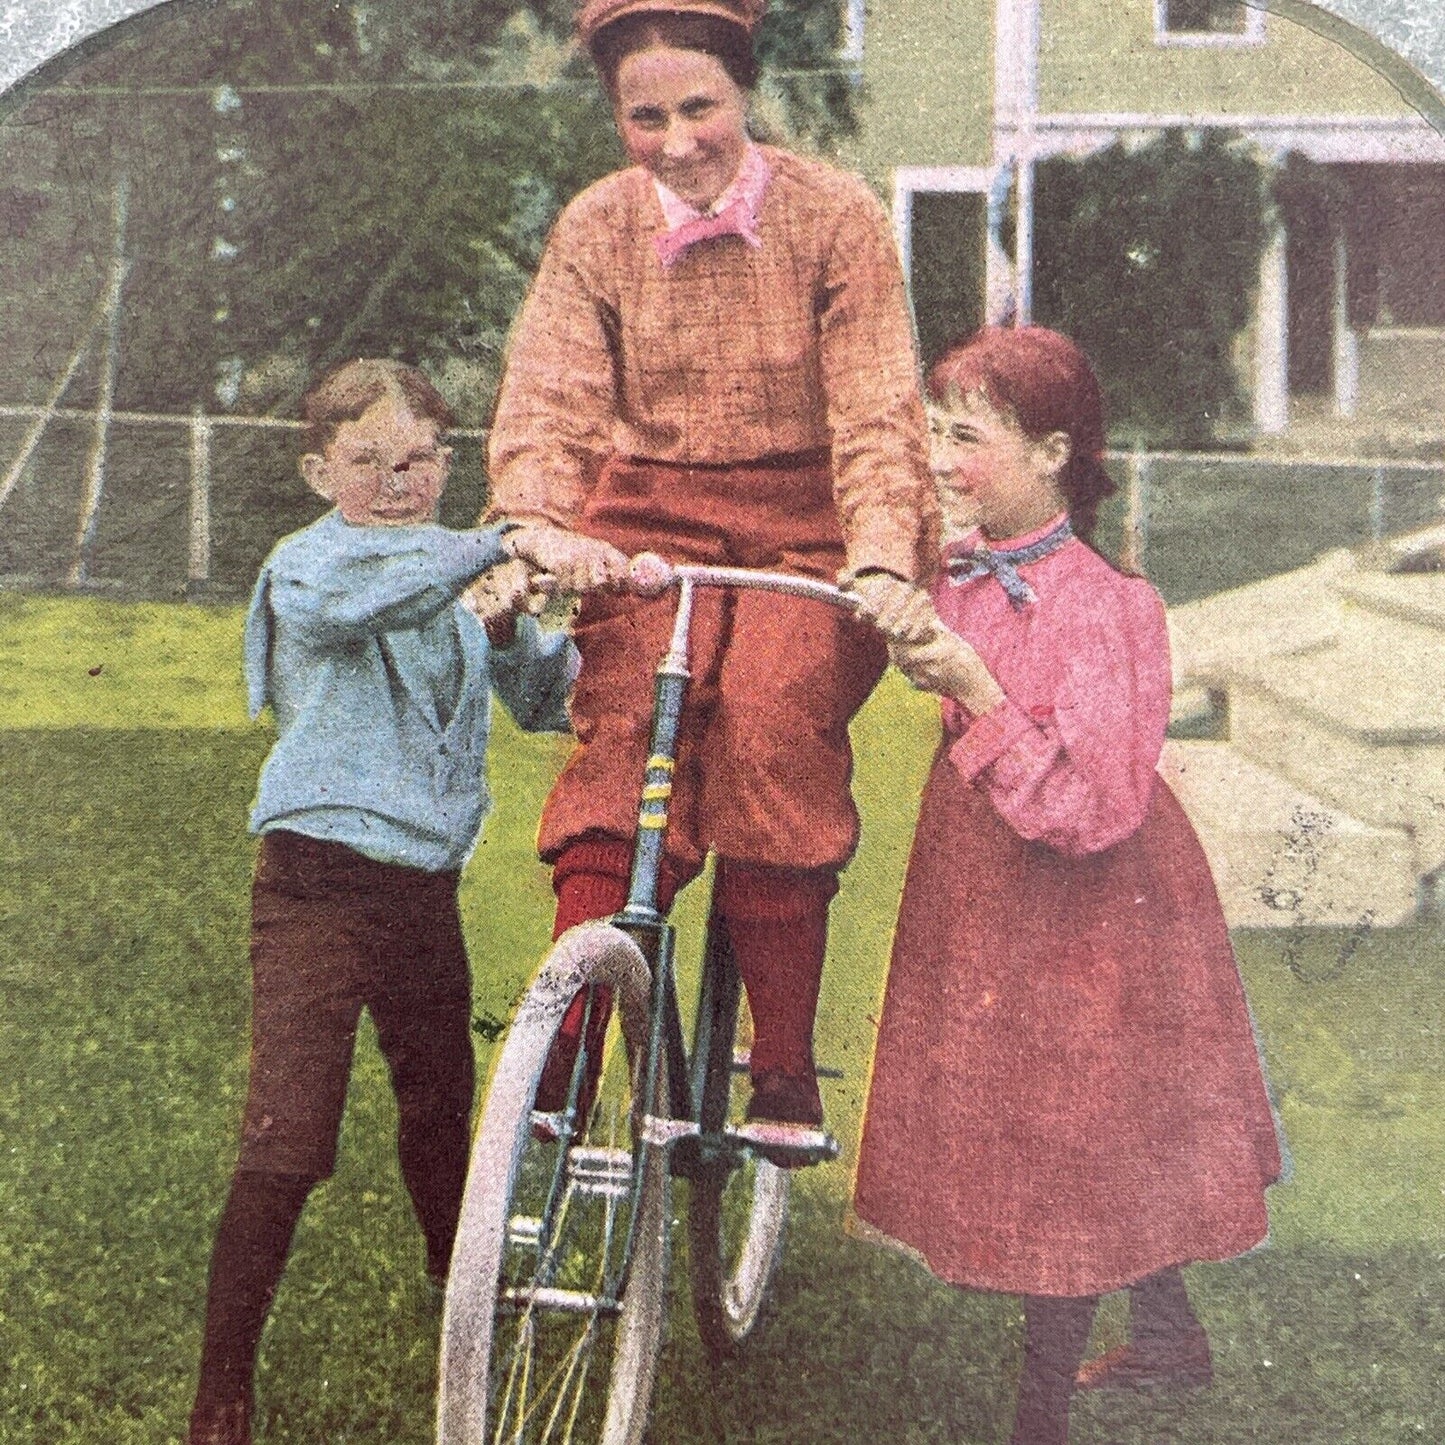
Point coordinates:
[(653, 574)]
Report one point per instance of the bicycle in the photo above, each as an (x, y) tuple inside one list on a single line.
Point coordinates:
[(560, 1267)]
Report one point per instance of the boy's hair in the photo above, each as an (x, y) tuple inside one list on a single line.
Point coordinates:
[(349, 391), (1045, 383)]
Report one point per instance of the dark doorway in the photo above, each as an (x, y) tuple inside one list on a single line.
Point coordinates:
[(1311, 299), (950, 236)]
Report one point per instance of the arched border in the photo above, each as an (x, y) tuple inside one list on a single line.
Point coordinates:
[(1414, 87), (30, 65)]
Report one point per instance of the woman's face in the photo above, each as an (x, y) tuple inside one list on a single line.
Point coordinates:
[(989, 474), (681, 115)]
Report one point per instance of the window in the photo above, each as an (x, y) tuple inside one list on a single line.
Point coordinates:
[(1207, 22)]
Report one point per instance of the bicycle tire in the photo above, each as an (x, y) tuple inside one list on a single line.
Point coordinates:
[(737, 1207), (518, 1365)]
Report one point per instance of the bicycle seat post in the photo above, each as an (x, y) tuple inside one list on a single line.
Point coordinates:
[(672, 678)]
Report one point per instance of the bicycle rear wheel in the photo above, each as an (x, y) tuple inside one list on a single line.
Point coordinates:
[(554, 1306), (738, 1202)]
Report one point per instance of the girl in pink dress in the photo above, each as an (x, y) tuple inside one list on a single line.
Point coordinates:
[(1066, 1098)]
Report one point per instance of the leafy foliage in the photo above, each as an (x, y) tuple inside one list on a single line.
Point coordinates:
[(1149, 257), (373, 177)]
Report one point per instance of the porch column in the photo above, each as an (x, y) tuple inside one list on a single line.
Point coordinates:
[(1271, 341), (1024, 242), (903, 225), (1346, 342), (998, 305)]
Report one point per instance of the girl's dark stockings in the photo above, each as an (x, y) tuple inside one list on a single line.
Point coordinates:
[(1160, 1314), (1056, 1333)]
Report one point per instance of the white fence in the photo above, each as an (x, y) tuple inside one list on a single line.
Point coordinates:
[(1194, 521), (201, 429)]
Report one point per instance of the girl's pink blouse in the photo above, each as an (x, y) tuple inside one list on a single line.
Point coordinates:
[(1069, 757)]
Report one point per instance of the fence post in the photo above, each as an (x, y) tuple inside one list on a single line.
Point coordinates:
[(105, 403), (1136, 512), (198, 570)]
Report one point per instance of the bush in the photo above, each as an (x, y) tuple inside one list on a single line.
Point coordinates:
[(1149, 258)]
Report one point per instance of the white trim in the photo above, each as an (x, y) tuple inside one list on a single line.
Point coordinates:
[(903, 225), (1250, 37), (1018, 30), (1406, 333), (943, 178), (1271, 337), (1016, 59), (855, 14), (910, 181), (1345, 341), (1328, 139), (1199, 120)]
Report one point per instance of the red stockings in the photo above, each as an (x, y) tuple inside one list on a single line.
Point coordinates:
[(777, 920)]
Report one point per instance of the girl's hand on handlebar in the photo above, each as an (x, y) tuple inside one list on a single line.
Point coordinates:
[(577, 563), (899, 610), (945, 664)]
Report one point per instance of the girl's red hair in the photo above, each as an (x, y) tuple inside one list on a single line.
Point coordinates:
[(1045, 383)]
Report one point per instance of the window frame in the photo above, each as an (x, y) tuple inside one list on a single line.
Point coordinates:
[(855, 13), (1252, 35)]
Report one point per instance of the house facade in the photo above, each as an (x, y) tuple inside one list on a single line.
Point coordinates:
[(962, 99)]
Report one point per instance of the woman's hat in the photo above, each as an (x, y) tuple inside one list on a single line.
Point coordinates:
[(594, 14)]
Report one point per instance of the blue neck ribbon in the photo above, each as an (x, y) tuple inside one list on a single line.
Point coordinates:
[(1003, 564)]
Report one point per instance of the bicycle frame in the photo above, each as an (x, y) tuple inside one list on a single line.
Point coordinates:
[(625, 1166), (693, 1105)]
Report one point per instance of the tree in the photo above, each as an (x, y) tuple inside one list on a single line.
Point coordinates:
[(310, 180)]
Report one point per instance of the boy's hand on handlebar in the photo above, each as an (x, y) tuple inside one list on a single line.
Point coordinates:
[(650, 574), (501, 592), (945, 664), (578, 563), (898, 609)]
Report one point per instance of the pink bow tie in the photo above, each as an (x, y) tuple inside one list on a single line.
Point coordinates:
[(733, 220)]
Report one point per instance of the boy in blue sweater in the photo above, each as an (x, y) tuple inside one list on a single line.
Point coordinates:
[(380, 681)]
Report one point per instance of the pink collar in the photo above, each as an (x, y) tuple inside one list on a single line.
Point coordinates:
[(747, 186)]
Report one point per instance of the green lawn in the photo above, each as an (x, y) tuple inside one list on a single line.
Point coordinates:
[(122, 964)]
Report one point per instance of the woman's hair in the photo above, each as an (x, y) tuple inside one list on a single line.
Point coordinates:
[(1045, 383), (352, 389), (729, 44)]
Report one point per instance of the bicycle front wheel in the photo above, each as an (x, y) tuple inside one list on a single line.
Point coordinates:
[(738, 1202), (554, 1306)]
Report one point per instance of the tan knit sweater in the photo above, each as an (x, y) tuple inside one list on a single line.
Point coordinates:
[(732, 354)]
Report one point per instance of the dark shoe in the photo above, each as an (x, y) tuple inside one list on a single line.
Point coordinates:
[(788, 1099), (228, 1424), (1183, 1365), (780, 1098)]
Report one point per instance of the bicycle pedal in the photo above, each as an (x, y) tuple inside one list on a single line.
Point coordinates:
[(794, 1143)]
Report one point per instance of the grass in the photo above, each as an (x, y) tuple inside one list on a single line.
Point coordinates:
[(123, 1040)]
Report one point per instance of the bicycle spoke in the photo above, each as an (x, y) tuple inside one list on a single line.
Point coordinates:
[(546, 1407), (553, 1228)]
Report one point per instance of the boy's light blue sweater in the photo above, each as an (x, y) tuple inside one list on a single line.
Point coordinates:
[(380, 682)]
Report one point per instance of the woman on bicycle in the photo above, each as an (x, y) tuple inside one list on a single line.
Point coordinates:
[(1064, 1039), (715, 363)]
